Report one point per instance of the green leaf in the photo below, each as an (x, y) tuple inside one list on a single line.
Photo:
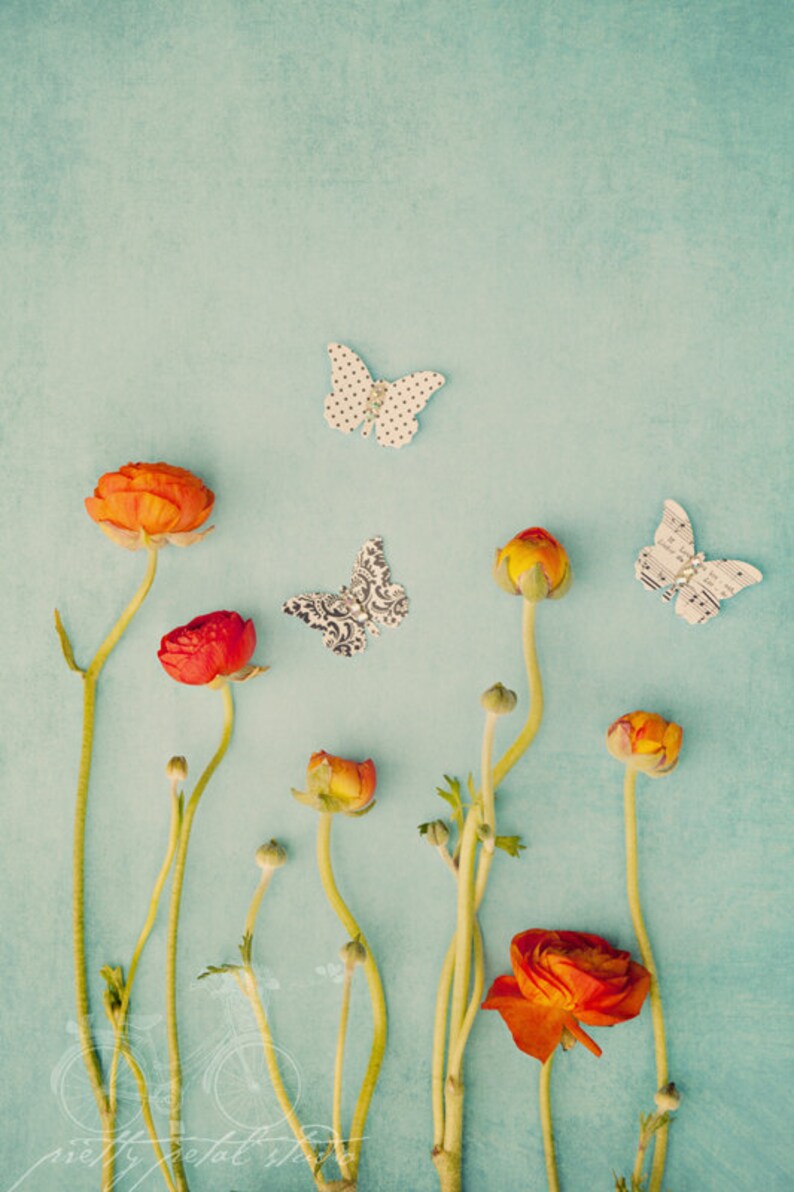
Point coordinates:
[(452, 796), (245, 948), (510, 844), (213, 970), (66, 645)]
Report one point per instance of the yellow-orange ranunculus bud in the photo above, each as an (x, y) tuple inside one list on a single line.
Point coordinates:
[(645, 741), (336, 784), (144, 504), (534, 565)]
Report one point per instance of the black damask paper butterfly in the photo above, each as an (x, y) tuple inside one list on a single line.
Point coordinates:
[(371, 600)]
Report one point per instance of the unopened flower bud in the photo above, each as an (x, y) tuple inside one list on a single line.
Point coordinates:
[(533, 565), (437, 833), (176, 769), (271, 855), (499, 700), (353, 953), (667, 1099)]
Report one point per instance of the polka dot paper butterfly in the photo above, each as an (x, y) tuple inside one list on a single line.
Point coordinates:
[(390, 406)]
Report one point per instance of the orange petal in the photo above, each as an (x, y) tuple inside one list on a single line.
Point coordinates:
[(536, 1029)]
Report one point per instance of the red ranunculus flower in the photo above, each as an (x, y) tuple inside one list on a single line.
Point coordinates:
[(563, 978), (151, 503), (213, 646)]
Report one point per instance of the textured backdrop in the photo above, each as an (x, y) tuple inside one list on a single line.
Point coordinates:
[(579, 213)]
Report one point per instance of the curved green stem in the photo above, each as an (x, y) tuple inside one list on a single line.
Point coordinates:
[(247, 982), (377, 998), (154, 902), (146, 1109), (256, 901), (87, 1041), (644, 945), (175, 1064), (546, 1125), (535, 714), (339, 1146)]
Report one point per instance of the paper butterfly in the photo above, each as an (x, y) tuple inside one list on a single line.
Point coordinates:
[(390, 406), (699, 583), (370, 599)]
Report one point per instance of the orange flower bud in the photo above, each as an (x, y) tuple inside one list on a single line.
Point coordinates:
[(151, 504), (533, 565), (645, 741), (562, 978), (336, 784)]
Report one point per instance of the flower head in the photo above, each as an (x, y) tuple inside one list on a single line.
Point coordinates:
[(151, 504), (336, 784), (210, 649), (534, 565), (562, 978), (645, 741)]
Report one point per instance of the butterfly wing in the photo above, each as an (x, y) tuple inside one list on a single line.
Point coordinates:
[(342, 633), (716, 580), (396, 421), (371, 585), (673, 546), (346, 404)]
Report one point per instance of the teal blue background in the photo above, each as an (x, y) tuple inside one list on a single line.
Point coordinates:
[(580, 214)]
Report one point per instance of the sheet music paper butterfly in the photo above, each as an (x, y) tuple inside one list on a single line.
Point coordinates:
[(673, 567), (390, 406), (370, 601)]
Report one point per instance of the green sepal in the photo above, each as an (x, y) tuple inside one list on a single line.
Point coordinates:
[(510, 844)]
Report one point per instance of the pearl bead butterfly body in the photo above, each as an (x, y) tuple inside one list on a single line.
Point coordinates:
[(672, 566), (370, 601), (390, 406)]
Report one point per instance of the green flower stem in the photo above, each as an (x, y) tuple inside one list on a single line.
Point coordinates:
[(464, 1006), (644, 945), (639, 1158), (339, 1146), (143, 1094), (87, 1041), (448, 1102), (456, 1053), (439, 1044), (377, 998), (175, 1064), (535, 715), (546, 1125), (465, 926), (256, 901), (154, 902), (247, 981)]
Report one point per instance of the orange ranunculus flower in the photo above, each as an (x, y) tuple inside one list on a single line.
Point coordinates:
[(645, 741), (336, 784), (534, 565), (562, 978), (144, 504), (210, 649)]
